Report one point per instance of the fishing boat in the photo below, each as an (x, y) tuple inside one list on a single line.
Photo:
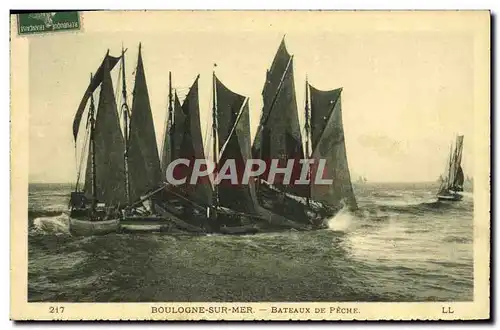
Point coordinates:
[(361, 180), (222, 207), (122, 173), (279, 137), (469, 180), (126, 185), (95, 209), (453, 180)]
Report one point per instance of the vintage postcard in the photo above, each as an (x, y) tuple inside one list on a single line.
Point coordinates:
[(250, 165)]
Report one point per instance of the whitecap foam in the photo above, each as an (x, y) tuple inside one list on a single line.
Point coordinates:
[(341, 221), (467, 194), (52, 225), (402, 203)]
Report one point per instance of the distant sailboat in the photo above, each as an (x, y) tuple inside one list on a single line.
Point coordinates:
[(453, 180), (361, 180)]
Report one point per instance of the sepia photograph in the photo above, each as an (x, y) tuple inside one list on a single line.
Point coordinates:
[(197, 161)]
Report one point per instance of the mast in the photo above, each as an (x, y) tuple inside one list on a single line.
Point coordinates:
[(92, 151), (170, 116), (450, 165), (125, 110), (215, 196), (307, 127)]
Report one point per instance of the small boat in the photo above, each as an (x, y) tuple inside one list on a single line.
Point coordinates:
[(361, 180), (453, 180), (449, 195), (87, 220)]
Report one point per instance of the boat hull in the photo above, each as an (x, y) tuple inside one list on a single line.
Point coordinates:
[(82, 227), (450, 198), (145, 224), (240, 230)]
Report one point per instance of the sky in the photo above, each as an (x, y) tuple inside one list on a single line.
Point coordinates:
[(406, 94)]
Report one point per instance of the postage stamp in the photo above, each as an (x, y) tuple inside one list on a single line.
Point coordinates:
[(30, 23), (232, 165)]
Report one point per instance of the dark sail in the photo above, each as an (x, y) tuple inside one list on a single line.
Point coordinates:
[(171, 147), (228, 107), (143, 160), (87, 188), (96, 81), (274, 76), (459, 180), (273, 79), (278, 135), (179, 119), (109, 147), (284, 140), (322, 102), (234, 141), (330, 145), (458, 175), (191, 148)]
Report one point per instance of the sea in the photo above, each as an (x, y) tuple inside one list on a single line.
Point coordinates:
[(401, 245)]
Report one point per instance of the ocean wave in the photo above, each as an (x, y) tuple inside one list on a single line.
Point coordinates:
[(413, 207), (467, 194), (51, 224), (38, 213), (405, 203), (340, 221), (384, 194), (458, 239)]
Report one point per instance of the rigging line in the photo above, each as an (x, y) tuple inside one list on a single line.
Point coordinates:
[(207, 126), (206, 146), (264, 121), (233, 129), (330, 115), (118, 98), (171, 190), (80, 163), (76, 167), (165, 128)]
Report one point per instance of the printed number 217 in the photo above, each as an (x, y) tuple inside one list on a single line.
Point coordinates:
[(56, 310)]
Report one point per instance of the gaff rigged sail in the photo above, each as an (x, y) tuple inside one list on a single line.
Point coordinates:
[(143, 161), (97, 79), (328, 143)]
